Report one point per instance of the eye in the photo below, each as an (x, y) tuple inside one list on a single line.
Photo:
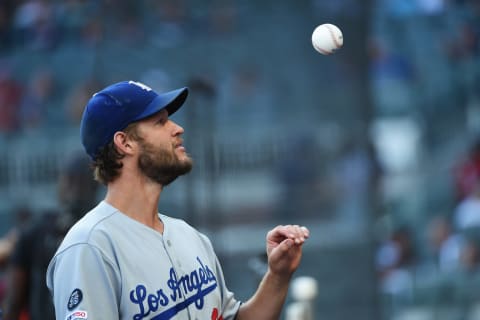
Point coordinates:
[(161, 120)]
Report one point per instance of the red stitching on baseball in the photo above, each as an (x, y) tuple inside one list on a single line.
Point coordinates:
[(333, 36), (321, 50)]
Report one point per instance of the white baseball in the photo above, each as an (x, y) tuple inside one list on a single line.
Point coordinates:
[(327, 38)]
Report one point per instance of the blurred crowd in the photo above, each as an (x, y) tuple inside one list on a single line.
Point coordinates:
[(47, 24), (37, 103), (41, 97), (438, 262), (424, 62)]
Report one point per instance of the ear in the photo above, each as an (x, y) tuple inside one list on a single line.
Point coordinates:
[(123, 144)]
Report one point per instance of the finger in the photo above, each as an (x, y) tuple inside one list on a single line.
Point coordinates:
[(281, 251), (293, 232), (298, 234), (306, 232), (286, 245), (279, 233), (301, 234)]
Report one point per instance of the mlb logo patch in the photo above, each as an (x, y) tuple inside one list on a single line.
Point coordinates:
[(75, 299), (77, 315)]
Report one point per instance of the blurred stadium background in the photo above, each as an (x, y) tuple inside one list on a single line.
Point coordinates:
[(374, 148)]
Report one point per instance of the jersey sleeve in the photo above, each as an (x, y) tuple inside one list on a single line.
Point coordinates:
[(84, 284)]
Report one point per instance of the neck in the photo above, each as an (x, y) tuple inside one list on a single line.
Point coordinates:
[(136, 198)]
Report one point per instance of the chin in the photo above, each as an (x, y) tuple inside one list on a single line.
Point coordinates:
[(184, 157), (187, 161)]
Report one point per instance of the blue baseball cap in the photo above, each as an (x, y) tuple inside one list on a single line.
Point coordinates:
[(116, 106)]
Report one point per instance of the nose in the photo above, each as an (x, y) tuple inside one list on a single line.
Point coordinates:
[(177, 129)]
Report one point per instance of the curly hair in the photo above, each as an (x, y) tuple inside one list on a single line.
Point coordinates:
[(107, 164)]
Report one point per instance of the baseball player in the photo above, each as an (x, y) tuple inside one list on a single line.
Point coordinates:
[(123, 259)]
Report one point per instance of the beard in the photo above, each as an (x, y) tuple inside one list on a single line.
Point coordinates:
[(161, 165)]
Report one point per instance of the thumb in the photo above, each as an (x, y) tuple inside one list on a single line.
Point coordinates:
[(280, 252), (285, 245), (282, 248)]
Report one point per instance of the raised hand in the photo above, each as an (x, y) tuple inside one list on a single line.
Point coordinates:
[(284, 248)]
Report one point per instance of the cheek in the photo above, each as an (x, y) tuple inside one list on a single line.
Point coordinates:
[(163, 140), (159, 142)]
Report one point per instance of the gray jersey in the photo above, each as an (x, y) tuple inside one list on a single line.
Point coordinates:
[(110, 266)]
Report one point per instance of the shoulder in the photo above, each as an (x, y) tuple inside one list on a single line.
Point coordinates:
[(92, 228)]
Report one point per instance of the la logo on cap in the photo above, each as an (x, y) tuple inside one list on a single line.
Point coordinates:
[(141, 85)]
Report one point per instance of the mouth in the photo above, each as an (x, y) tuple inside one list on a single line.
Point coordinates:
[(179, 146)]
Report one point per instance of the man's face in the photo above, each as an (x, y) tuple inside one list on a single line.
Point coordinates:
[(162, 156)]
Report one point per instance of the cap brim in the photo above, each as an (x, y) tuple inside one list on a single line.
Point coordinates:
[(171, 101)]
